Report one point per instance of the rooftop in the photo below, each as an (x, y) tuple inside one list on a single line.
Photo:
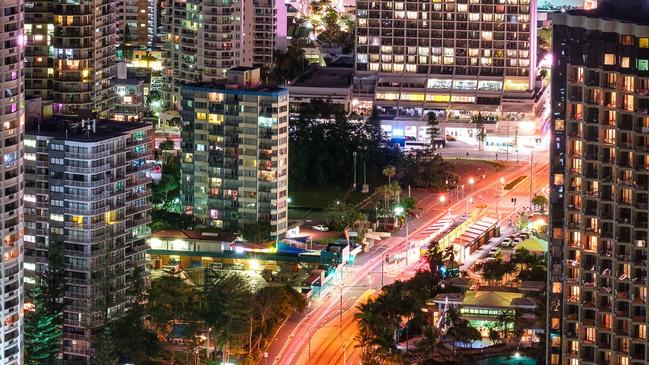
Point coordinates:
[(317, 76), (631, 11), (242, 68), (74, 128), (490, 299), (128, 81), (195, 235), (229, 88)]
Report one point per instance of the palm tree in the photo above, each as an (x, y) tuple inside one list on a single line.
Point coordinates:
[(481, 135), (449, 254), (503, 321), (389, 171), (494, 335), (429, 343)]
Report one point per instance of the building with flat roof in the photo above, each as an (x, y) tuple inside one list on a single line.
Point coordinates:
[(599, 186), (326, 83), (234, 152), (451, 58), (129, 100), (87, 189)]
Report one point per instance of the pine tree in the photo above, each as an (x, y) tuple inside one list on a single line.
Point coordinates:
[(42, 333), (106, 353), (52, 280)]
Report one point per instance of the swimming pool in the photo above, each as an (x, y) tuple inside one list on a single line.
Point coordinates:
[(507, 360)]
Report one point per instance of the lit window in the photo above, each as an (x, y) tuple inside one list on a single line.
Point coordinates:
[(201, 116), (628, 102), (643, 65), (609, 59), (30, 198), (626, 62), (626, 40), (643, 42), (30, 157), (487, 36), (215, 119), (56, 217)]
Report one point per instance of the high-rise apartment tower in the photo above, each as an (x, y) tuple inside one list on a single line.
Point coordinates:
[(599, 179), (12, 117), (455, 57), (206, 38), (70, 56), (87, 190), (234, 163)]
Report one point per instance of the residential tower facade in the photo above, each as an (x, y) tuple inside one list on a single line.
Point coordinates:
[(234, 161), (599, 180), (87, 189), (12, 117), (454, 58), (206, 38), (71, 54)]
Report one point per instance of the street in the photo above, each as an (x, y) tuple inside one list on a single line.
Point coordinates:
[(320, 326)]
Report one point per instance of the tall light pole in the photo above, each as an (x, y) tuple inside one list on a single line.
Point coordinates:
[(340, 309), (354, 186), (500, 195), (531, 175)]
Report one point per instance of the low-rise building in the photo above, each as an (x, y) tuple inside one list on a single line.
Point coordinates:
[(483, 306), (326, 83)]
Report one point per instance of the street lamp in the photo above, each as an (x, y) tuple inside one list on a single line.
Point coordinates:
[(442, 199), (340, 308), (500, 195)]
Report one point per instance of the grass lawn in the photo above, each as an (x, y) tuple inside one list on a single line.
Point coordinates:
[(317, 198), (322, 198), (510, 185), (314, 215)]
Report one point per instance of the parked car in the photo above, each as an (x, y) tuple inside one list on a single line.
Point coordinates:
[(507, 242), (524, 235), (494, 252), (518, 240), (321, 228)]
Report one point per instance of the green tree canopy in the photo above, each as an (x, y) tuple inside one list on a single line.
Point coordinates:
[(42, 332), (322, 141)]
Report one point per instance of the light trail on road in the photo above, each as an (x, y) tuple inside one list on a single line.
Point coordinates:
[(325, 314)]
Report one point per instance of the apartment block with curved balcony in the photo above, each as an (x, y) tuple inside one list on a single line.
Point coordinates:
[(206, 38), (84, 56), (11, 180), (599, 223)]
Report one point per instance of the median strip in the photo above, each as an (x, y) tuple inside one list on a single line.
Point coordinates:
[(510, 185)]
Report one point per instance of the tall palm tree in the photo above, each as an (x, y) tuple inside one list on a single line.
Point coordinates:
[(449, 254), (389, 171), (504, 320), (430, 342)]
